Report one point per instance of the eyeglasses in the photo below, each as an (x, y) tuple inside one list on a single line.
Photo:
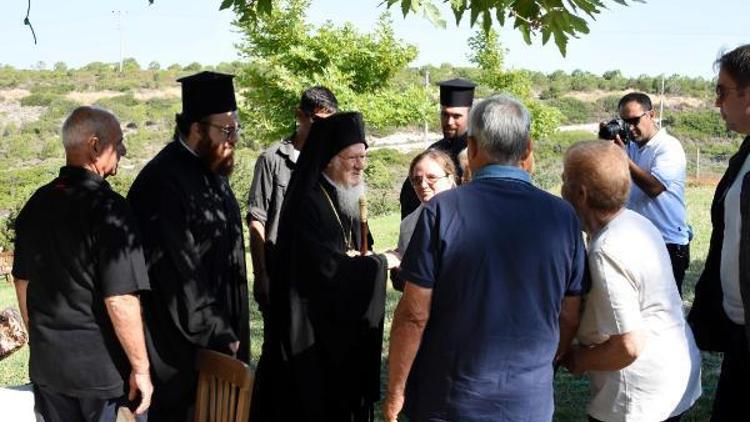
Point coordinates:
[(633, 121), (430, 178), (230, 132), (721, 90)]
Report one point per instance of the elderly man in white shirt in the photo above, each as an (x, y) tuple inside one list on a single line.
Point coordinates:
[(635, 345)]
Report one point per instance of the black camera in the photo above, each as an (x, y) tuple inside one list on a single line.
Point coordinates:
[(616, 127)]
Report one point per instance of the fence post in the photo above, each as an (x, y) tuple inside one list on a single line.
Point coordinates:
[(697, 163)]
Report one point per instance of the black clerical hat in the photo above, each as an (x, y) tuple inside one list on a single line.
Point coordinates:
[(456, 92), (207, 93), (344, 129)]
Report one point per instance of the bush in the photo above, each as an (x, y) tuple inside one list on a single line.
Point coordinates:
[(573, 110), (38, 99)]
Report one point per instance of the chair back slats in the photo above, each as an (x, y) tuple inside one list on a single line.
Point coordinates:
[(224, 388)]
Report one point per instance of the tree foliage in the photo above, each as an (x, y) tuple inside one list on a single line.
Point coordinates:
[(285, 55), (560, 19), (487, 54)]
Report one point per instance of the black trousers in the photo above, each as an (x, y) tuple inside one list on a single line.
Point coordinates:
[(733, 389), (56, 407), (679, 255)]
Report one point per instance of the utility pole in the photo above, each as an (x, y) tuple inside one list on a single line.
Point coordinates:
[(661, 107), (118, 14), (426, 90)]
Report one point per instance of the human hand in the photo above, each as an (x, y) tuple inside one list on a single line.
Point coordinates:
[(392, 406), (140, 382), (571, 360), (393, 260), (234, 347), (618, 141), (261, 289)]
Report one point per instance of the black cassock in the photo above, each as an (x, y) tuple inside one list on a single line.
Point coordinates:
[(408, 198), (192, 232), (327, 318)]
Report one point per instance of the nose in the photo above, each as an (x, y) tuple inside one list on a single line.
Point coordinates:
[(123, 150), (717, 102)]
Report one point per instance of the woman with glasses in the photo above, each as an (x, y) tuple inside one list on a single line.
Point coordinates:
[(430, 173)]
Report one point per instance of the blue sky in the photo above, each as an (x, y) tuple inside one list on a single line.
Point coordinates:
[(661, 36)]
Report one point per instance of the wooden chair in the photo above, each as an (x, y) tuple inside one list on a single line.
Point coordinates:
[(225, 385)]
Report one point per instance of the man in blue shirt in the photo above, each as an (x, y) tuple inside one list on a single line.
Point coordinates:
[(492, 298)]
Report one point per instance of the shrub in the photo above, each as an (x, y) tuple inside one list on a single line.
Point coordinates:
[(38, 99)]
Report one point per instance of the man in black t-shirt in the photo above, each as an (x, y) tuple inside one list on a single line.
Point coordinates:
[(78, 270)]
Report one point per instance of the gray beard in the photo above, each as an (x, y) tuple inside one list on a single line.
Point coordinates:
[(348, 199)]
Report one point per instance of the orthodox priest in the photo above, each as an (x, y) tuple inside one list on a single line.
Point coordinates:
[(192, 232), (327, 298), (456, 96)]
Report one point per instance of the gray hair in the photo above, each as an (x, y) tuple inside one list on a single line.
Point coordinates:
[(84, 122), (500, 125)]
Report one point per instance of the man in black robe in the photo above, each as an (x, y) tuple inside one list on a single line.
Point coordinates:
[(192, 231), (327, 300), (456, 96)]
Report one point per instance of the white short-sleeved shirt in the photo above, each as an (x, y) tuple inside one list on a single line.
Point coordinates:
[(664, 158), (633, 289)]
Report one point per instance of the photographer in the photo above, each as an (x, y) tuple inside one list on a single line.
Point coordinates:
[(657, 172)]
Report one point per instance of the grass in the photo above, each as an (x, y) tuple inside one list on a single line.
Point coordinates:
[(571, 393)]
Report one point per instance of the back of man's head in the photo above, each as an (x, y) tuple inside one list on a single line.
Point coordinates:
[(736, 63), (638, 97), (500, 127), (85, 122), (602, 168), (318, 98)]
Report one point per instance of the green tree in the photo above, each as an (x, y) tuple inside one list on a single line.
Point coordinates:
[(285, 55), (548, 18), (487, 54)]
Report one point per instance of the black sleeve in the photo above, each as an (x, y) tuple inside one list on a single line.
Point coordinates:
[(119, 251), (20, 259)]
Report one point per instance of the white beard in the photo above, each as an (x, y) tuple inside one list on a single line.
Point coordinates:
[(348, 198)]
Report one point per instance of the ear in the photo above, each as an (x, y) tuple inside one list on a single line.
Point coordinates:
[(195, 129), (527, 161), (471, 148), (94, 144)]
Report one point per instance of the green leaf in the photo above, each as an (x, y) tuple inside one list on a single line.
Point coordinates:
[(474, 15), (432, 13), (486, 21), (225, 4), (405, 7), (579, 24), (545, 35)]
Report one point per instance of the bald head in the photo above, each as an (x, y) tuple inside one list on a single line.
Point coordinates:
[(85, 122), (600, 169)]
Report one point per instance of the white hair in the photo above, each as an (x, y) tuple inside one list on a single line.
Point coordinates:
[(500, 125)]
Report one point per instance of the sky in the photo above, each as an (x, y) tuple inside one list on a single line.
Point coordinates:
[(658, 37)]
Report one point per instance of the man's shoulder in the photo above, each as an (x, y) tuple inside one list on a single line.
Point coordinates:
[(667, 141)]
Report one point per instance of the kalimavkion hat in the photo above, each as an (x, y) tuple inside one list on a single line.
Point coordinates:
[(456, 92), (207, 93)]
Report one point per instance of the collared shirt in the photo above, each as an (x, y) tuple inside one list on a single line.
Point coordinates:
[(499, 171), (77, 243), (273, 170), (663, 157), (499, 255)]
